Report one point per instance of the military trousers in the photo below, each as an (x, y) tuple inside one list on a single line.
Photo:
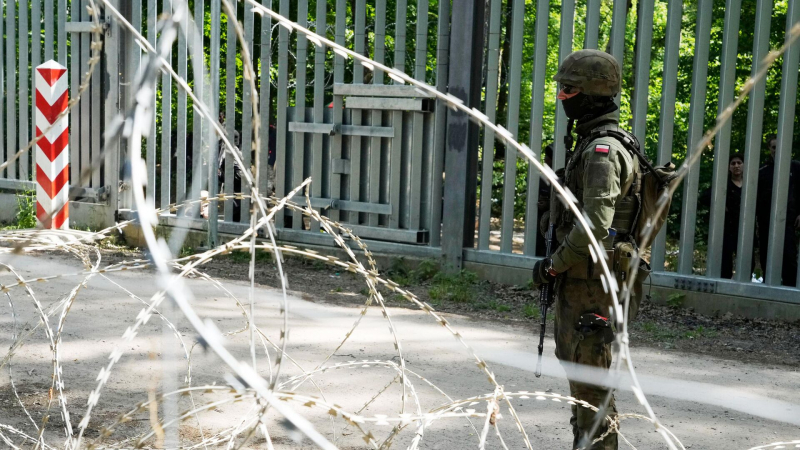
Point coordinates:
[(574, 298)]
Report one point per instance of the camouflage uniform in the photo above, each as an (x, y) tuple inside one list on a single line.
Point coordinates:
[(600, 174)]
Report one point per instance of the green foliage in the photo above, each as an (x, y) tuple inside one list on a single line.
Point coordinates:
[(493, 305), (26, 210), (676, 300), (400, 273), (457, 288), (531, 312)]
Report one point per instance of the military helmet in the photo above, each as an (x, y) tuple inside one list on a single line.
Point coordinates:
[(594, 72)]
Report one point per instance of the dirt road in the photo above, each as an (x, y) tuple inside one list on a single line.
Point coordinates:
[(95, 325)]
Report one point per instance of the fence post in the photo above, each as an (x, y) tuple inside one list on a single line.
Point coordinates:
[(52, 150), (461, 148)]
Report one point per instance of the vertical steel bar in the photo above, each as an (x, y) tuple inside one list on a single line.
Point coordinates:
[(778, 226), (75, 80), (396, 148), (230, 110), (461, 159), (213, 146), (335, 179), (396, 145), (23, 122), (442, 79), (512, 121), (719, 183), (356, 161), (62, 32), (96, 135), (281, 169), (696, 113), (166, 124), (564, 49), (299, 155), (133, 55), (199, 75), (752, 148), (2, 85), (492, 77), (11, 86), (593, 23), (321, 24), (644, 45), (377, 78), (182, 120), (667, 119), (36, 59), (264, 107), (247, 115), (400, 23), (48, 28), (617, 41), (418, 156), (152, 13), (537, 113), (111, 108)]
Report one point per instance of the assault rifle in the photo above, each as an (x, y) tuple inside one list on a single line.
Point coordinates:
[(545, 296)]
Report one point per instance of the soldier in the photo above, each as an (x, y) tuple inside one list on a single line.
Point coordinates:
[(602, 173)]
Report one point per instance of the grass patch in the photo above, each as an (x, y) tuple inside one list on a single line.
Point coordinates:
[(400, 273), (456, 288), (493, 305), (531, 312)]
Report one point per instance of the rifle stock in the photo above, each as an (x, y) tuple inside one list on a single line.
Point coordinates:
[(545, 297)]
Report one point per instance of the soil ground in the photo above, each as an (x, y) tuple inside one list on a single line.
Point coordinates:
[(680, 357)]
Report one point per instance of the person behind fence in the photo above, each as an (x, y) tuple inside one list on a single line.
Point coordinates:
[(733, 201), (766, 176), (602, 173)]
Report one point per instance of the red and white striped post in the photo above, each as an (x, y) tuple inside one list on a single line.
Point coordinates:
[(52, 150)]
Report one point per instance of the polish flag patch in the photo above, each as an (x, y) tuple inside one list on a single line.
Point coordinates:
[(601, 149)]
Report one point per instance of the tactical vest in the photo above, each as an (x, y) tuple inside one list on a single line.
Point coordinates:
[(627, 207)]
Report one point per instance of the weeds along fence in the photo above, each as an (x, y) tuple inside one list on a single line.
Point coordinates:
[(377, 150)]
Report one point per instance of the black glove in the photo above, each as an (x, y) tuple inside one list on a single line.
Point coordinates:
[(540, 274)]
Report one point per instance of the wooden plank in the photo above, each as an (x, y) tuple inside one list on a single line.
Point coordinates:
[(419, 156), (400, 24)]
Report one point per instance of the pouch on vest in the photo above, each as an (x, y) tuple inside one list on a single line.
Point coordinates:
[(656, 185)]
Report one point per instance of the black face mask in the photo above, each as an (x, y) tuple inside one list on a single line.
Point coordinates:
[(578, 106)]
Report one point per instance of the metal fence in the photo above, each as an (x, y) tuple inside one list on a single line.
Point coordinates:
[(376, 149)]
